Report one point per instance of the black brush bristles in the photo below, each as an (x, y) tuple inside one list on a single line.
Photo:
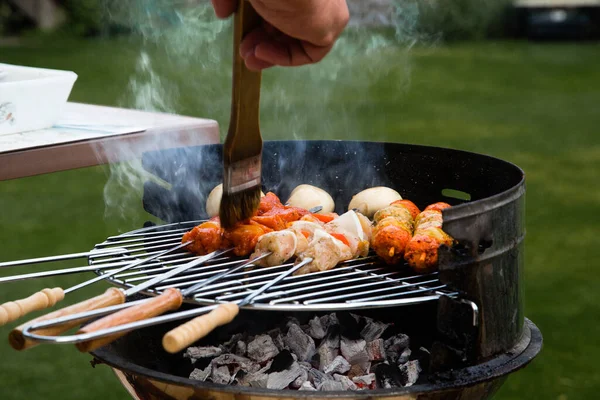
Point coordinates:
[(239, 206)]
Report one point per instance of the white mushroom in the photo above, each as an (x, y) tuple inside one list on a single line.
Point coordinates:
[(369, 201), (213, 201), (308, 196)]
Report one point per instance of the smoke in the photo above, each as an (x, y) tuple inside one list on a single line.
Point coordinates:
[(184, 67)]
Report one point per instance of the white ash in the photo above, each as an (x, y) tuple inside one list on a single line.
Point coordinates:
[(376, 350), (307, 386), (281, 380), (299, 381), (404, 357), (355, 351), (345, 381), (364, 380), (317, 377), (410, 372), (243, 363), (262, 348), (299, 343), (240, 348), (278, 340), (230, 345), (220, 375), (373, 330), (331, 386), (197, 353), (329, 320), (316, 329), (359, 369), (395, 345), (256, 379), (201, 375), (338, 365), (327, 355)]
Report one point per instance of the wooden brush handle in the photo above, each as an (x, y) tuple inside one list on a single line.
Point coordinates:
[(14, 310), (170, 299), (243, 137), (111, 297), (186, 334)]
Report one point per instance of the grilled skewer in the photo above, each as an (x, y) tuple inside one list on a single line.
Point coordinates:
[(112, 296), (170, 299), (422, 250), (13, 310), (94, 339)]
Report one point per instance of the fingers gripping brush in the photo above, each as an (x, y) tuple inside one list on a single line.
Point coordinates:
[(242, 151)]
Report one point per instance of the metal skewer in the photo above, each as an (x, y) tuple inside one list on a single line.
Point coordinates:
[(188, 332), (13, 310), (63, 257)]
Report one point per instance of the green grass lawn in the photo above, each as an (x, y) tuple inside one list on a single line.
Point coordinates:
[(537, 105)]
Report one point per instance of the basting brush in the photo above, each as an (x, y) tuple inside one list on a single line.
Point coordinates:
[(242, 151)]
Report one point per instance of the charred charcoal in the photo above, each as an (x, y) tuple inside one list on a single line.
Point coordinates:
[(326, 355), (201, 375), (282, 379), (376, 350), (355, 351), (404, 357), (388, 376), (279, 342), (299, 381), (289, 321), (330, 386), (338, 365), (233, 361), (328, 321), (307, 386), (349, 327), (240, 348), (282, 361), (359, 370), (220, 375), (230, 345), (196, 353), (262, 348), (423, 356), (395, 345), (316, 329), (256, 379), (373, 330), (409, 372), (364, 381), (300, 343), (317, 377), (315, 360), (345, 381)]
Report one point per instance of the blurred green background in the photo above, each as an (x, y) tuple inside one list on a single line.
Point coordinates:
[(533, 103)]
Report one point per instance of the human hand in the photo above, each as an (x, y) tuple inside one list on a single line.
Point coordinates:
[(295, 32)]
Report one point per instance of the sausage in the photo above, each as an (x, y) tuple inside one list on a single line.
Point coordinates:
[(421, 252), (393, 230)]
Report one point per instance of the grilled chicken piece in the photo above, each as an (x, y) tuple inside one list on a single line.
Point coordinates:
[(278, 218), (393, 230), (410, 206), (268, 202), (422, 250), (207, 237), (245, 236), (281, 245), (324, 251)]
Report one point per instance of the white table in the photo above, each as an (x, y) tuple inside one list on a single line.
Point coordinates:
[(89, 135)]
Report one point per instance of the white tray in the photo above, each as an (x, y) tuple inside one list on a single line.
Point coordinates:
[(32, 98)]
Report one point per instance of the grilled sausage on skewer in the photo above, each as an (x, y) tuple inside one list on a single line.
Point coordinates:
[(393, 230), (422, 250)]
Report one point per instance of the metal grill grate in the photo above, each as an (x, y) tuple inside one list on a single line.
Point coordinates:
[(360, 283)]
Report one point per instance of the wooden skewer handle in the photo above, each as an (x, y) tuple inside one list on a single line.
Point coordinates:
[(13, 310), (170, 299), (111, 297), (186, 334)]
